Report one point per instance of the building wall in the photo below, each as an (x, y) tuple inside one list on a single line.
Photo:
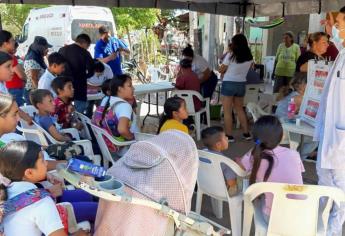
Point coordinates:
[(296, 24)]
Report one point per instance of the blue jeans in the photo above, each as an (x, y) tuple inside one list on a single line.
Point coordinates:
[(18, 94), (80, 106)]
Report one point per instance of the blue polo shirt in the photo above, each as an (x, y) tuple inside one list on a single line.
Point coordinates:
[(104, 49)]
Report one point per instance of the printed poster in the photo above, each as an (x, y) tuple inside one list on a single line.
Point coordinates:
[(317, 75)]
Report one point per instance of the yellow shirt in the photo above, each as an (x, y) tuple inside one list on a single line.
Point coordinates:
[(173, 124)]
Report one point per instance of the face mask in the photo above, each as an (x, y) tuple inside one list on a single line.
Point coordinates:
[(336, 38)]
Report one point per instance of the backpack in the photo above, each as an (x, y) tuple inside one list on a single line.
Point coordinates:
[(25, 199), (65, 150), (109, 124)]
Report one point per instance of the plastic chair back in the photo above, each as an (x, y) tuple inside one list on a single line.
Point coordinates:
[(268, 62), (187, 95), (210, 175), (297, 215), (100, 134), (252, 93), (30, 109), (33, 134), (255, 111), (85, 132)]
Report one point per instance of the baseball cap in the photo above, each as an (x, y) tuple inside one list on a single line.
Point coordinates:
[(39, 40)]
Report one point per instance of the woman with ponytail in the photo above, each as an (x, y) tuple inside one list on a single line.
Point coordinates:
[(269, 162)]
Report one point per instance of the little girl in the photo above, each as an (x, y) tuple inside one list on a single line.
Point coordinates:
[(27, 209), (115, 115), (175, 112), (269, 162), (82, 202)]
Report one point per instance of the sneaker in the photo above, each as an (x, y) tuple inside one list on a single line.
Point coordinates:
[(247, 136), (231, 139)]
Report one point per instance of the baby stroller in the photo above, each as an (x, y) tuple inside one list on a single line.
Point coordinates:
[(149, 190)]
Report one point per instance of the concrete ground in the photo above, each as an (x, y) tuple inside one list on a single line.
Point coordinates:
[(239, 148)]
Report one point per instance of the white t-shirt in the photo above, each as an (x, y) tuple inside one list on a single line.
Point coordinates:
[(36, 219), (6, 138), (98, 80), (124, 109), (236, 72), (199, 65), (3, 88), (45, 82)]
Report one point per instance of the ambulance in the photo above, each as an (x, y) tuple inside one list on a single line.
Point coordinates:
[(60, 25)]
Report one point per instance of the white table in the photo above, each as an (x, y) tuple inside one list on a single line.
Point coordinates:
[(303, 129), (140, 91)]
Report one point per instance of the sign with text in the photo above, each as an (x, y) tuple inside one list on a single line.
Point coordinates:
[(317, 75)]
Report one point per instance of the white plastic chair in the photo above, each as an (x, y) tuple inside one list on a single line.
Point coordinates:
[(252, 93), (157, 75), (211, 182), (290, 217), (36, 135), (188, 95), (85, 132), (100, 134), (255, 111), (84, 225), (268, 62), (31, 110)]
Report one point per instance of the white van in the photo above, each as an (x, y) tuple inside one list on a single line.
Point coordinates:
[(60, 25)]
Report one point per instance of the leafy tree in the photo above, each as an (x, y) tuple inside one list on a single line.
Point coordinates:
[(13, 16), (128, 19)]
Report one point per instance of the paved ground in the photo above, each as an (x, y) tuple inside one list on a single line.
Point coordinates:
[(238, 148)]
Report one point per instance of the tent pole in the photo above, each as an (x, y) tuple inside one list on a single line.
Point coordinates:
[(320, 6), (243, 23), (254, 10), (283, 15)]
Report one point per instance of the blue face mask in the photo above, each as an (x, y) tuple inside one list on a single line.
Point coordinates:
[(336, 38)]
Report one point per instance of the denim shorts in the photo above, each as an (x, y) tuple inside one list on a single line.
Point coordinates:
[(233, 89)]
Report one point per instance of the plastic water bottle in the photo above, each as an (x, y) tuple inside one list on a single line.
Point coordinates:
[(291, 109)]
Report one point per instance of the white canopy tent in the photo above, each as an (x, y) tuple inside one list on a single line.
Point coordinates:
[(221, 7)]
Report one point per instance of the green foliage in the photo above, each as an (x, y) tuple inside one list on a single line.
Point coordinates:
[(13, 16), (127, 19)]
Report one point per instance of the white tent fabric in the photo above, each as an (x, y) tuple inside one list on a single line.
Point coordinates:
[(221, 7)]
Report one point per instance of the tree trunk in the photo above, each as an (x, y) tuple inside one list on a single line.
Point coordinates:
[(129, 38)]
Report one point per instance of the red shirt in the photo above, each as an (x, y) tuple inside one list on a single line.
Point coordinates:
[(188, 80), (61, 110), (332, 52), (15, 82)]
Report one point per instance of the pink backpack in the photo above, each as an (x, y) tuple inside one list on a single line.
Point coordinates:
[(109, 124)]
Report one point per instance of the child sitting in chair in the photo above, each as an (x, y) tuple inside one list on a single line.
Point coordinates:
[(215, 140), (43, 100), (64, 109)]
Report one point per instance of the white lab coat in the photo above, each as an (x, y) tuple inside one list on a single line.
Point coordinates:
[(330, 120)]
